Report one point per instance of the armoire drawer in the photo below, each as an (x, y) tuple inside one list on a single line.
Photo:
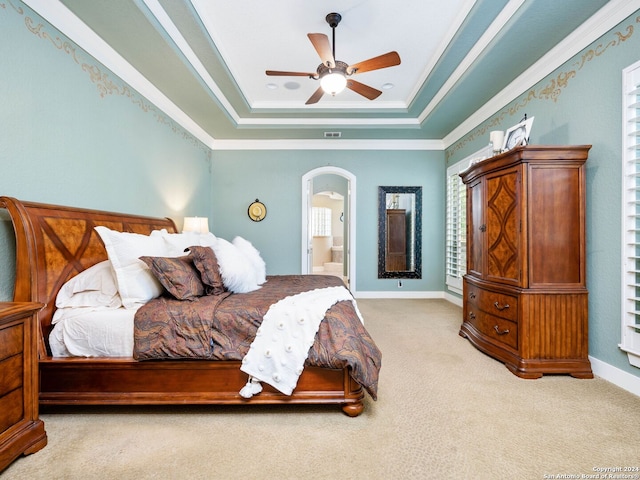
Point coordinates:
[(472, 294), (494, 327), (499, 304)]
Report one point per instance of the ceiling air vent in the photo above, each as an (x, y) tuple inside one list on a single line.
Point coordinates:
[(332, 134)]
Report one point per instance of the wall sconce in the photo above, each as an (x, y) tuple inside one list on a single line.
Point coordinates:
[(196, 224)]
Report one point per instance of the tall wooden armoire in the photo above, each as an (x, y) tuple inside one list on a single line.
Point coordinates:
[(525, 296)]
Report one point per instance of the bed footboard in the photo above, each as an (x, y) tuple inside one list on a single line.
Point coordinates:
[(123, 381)]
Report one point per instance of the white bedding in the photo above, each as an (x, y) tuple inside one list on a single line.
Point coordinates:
[(96, 307), (92, 332), (281, 346)]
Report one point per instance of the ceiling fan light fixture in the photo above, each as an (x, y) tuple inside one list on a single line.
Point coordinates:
[(333, 80), (333, 73), (333, 83)]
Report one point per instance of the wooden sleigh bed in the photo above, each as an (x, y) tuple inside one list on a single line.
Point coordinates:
[(55, 243)]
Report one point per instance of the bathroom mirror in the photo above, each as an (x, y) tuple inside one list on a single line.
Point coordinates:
[(399, 232)]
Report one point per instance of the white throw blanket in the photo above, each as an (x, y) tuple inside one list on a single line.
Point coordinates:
[(282, 342)]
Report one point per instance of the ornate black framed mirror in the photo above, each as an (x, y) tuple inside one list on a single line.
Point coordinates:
[(399, 232)]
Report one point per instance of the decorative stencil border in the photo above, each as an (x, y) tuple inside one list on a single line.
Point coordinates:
[(105, 85), (550, 91)]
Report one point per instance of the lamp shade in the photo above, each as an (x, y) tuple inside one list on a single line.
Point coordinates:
[(333, 83), (196, 224)]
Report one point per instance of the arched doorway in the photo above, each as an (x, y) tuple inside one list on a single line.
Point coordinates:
[(308, 190)]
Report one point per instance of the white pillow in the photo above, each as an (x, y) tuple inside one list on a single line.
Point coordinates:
[(253, 255), (93, 287), (236, 269), (136, 284), (176, 243)]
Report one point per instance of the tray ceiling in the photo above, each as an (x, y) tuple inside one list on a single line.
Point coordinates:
[(206, 59)]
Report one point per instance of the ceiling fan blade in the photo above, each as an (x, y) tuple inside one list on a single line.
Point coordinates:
[(276, 73), (317, 95), (383, 61), (364, 90), (321, 43)]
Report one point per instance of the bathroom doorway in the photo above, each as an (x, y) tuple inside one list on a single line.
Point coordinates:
[(327, 231), (332, 250)]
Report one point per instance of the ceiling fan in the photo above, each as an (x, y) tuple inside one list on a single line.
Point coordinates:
[(333, 74)]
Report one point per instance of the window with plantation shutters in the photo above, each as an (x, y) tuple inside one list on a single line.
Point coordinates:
[(631, 215), (456, 230), (321, 222), (456, 221)]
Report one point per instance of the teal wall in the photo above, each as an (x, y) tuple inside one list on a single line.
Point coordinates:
[(581, 103), (73, 134), (275, 177)]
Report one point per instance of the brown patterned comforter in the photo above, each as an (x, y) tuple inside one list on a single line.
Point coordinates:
[(222, 327)]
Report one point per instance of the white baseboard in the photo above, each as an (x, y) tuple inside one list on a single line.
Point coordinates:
[(453, 299), (618, 377), (399, 294), (411, 294)]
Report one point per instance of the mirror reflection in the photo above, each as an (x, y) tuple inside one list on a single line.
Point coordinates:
[(399, 232)]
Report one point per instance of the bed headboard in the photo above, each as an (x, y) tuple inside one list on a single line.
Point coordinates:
[(55, 243)]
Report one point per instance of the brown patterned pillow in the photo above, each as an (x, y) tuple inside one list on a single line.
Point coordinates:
[(206, 262), (177, 275)]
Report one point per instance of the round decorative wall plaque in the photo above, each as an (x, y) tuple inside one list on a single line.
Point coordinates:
[(257, 211)]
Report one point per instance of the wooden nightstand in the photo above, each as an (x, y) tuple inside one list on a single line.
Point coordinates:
[(21, 431)]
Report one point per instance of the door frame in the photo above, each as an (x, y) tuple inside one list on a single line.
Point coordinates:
[(307, 204)]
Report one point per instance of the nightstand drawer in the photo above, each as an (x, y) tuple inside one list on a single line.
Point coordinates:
[(11, 374), (11, 409), (11, 341)]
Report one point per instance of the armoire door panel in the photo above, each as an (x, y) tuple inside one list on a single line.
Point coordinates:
[(476, 228), (555, 226), (503, 228)]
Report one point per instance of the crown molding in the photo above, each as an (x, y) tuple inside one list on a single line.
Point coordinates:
[(494, 29), (63, 19), (60, 17), (614, 12), (330, 144)]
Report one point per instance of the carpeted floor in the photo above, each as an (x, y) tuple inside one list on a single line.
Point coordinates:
[(445, 411)]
